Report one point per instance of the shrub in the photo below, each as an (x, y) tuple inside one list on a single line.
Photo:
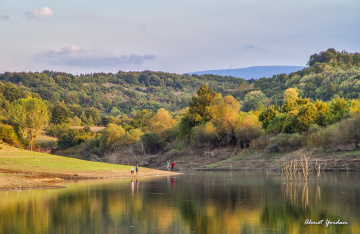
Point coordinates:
[(346, 131), (276, 125), (248, 129), (72, 137), (203, 134), (288, 141), (55, 130), (8, 135), (260, 143), (150, 142), (49, 145)]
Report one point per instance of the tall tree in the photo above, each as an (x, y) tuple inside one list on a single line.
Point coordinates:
[(199, 106), (59, 113), (31, 114), (252, 99), (161, 121)]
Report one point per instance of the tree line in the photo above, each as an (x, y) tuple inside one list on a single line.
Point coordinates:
[(212, 111)]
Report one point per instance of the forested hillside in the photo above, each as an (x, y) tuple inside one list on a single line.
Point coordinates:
[(329, 73), (123, 92), (148, 112)]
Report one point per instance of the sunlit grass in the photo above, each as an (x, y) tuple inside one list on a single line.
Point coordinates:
[(43, 139), (92, 128), (350, 153), (18, 159)]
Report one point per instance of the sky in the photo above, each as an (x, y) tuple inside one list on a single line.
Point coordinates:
[(78, 36)]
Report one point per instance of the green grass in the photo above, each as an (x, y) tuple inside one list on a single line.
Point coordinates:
[(18, 159), (350, 153), (43, 139)]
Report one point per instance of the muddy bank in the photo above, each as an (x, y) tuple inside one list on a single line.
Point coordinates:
[(231, 158), (20, 180)]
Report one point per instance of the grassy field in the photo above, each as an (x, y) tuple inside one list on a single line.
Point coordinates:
[(42, 138), (18, 159), (19, 168), (92, 128)]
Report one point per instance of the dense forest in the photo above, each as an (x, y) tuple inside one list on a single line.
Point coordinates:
[(146, 112)]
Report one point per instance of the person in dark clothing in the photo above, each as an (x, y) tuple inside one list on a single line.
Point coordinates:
[(172, 165)]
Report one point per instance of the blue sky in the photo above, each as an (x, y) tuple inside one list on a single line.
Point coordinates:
[(81, 36)]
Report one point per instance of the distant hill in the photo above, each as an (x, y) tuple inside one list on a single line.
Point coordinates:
[(255, 72)]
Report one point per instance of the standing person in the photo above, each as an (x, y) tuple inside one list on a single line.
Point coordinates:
[(137, 168), (132, 169), (172, 165)]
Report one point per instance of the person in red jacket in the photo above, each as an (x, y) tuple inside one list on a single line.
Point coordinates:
[(172, 165)]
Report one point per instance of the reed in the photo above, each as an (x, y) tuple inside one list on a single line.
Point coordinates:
[(318, 169), (289, 171), (305, 166)]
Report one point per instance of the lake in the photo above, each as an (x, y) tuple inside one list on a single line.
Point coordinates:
[(199, 202)]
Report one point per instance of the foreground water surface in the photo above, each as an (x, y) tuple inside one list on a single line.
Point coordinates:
[(201, 202)]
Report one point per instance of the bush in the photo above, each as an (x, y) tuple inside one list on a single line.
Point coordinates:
[(247, 129), (90, 146), (72, 137), (276, 125), (288, 141), (150, 142), (345, 132), (48, 146), (55, 130), (246, 134), (260, 143), (203, 134), (8, 135)]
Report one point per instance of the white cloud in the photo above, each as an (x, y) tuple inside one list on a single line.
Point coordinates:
[(44, 12), (75, 56), (4, 17)]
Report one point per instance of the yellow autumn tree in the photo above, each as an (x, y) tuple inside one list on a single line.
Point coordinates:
[(354, 107), (247, 129), (224, 116), (160, 122)]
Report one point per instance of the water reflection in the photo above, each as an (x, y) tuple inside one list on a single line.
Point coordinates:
[(201, 203)]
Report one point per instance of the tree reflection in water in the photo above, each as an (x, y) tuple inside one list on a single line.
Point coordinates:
[(201, 203)]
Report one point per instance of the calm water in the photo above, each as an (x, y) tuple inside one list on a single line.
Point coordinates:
[(207, 202)]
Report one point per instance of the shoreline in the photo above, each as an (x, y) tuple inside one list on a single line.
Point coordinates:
[(14, 180)]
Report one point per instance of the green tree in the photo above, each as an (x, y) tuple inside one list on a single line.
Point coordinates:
[(290, 98), (307, 115), (8, 135), (151, 142), (75, 110), (339, 107), (72, 137), (59, 113), (323, 113), (267, 115), (141, 118), (252, 99), (111, 137), (199, 106), (31, 114), (91, 116)]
